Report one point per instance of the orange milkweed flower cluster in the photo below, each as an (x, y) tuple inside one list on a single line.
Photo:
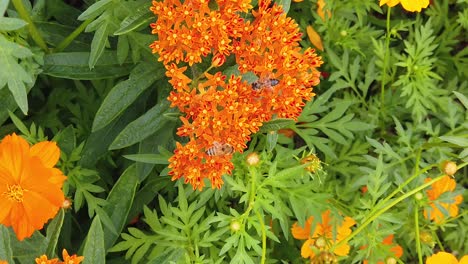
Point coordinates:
[(30, 186), (446, 258), (408, 5), (396, 250), (220, 112), (67, 259), (322, 238), (444, 185)]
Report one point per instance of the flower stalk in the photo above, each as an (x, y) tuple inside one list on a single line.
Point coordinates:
[(35, 35)]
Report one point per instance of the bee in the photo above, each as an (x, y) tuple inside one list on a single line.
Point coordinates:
[(262, 83), (220, 149)]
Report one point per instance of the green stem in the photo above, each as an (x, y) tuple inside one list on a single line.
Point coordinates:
[(386, 57), (416, 173), (62, 45), (416, 229), (35, 35), (264, 245), (371, 218), (439, 243)]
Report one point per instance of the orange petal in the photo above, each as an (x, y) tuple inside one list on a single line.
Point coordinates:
[(47, 152), (306, 249), (14, 153), (302, 233), (314, 37)]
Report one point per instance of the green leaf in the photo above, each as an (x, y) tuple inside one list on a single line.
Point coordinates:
[(123, 48), (126, 92), (143, 127), (6, 252), (168, 256), (94, 250), (53, 232), (118, 208), (19, 124), (99, 43), (141, 16), (457, 140), (3, 6), (12, 73), (463, 99), (11, 23), (74, 65), (149, 158), (95, 9), (276, 124)]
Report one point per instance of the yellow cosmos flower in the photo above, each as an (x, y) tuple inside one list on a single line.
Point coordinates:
[(408, 5), (446, 258), (322, 238), (30, 186)]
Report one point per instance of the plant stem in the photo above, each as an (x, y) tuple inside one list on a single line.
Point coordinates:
[(62, 45), (416, 229), (35, 35), (386, 56), (383, 210), (264, 245)]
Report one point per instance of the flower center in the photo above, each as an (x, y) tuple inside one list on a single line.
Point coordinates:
[(15, 193)]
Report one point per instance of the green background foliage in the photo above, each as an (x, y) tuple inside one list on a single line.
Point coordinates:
[(81, 73)]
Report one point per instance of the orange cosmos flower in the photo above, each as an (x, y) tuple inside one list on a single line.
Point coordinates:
[(444, 185), (408, 5), (322, 238), (396, 250), (30, 186), (3, 262), (446, 258)]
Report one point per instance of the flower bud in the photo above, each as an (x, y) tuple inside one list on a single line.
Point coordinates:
[(320, 242), (253, 159), (390, 261), (218, 60), (235, 226), (314, 161), (449, 167), (418, 196), (426, 238), (67, 203)]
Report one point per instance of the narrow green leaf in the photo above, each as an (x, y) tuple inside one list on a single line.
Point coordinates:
[(457, 140), (118, 208), (11, 23), (148, 158), (276, 124), (3, 6), (6, 252), (463, 99), (53, 232), (18, 123), (126, 92), (74, 65), (141, 16), (168, 256), (123, 48), (144, 126), (98, 44), (95, 9), (94, 250)]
